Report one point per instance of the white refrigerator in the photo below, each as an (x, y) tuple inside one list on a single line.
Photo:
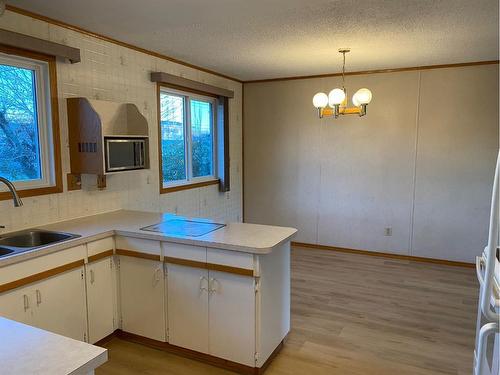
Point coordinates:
[(487, 351)]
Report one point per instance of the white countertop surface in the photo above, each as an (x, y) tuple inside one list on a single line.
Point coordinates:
[(243, 237), (26, 350)]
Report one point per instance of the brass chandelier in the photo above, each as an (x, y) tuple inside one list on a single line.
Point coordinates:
[(335, 103)]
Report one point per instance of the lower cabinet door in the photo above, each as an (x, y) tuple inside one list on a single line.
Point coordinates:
[(16, 305), (232, 317), (142, 297), (187, 303), (100, 299), (59, 304)]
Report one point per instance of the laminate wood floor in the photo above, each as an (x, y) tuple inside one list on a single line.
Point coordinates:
[(354, 315)]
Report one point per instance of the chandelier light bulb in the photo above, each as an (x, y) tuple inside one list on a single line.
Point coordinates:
[(355, 101), (336, 97), (320, 100), (363, 96)]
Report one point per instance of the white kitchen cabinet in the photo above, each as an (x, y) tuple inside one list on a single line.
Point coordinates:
[(212, 312), (142, 297), (16, 305), (101, 298), (187, 295), (56, 304), (232, 317), (59, 304)]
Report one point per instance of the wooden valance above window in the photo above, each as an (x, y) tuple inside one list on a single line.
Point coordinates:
[(29, 43), (184, 83)]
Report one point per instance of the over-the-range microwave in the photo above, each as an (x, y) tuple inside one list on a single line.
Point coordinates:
[(124, 154)]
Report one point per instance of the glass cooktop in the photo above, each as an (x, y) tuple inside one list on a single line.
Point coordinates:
[(179, 227)]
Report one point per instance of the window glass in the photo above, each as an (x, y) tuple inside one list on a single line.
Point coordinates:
[(19, 127), (202, 138), (187, 137), (173, 143)]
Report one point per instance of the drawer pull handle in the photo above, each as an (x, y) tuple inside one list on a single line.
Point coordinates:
[(26, 302), (38, 297), (92, 276)]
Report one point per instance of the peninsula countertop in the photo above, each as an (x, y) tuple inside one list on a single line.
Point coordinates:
[(243, 237), (26, 350)]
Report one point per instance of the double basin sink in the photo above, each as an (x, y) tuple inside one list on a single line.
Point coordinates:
[(31, 239)]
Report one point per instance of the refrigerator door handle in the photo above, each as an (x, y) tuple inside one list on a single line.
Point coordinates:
[(479, 353), (479, 270)]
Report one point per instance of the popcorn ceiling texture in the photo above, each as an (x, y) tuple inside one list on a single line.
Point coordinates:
[(267, 39), (112, 72)]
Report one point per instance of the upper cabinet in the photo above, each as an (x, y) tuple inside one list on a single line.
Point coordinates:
[(106, 137)]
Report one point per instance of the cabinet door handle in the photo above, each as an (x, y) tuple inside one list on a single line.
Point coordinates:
[(38, 297), (26, 302), (203, 280), (212, 286), (92, 276), (157, 274)]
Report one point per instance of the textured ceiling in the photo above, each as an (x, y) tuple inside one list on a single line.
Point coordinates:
[(257, 39)]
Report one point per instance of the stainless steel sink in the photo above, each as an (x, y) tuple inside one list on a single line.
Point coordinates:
[(31, 239), (4, 252)]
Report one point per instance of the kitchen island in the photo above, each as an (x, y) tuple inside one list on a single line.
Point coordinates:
[(26, 350), (222, 296)]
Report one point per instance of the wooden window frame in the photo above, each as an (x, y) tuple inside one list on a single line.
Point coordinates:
[(188, 185), (57, 187)]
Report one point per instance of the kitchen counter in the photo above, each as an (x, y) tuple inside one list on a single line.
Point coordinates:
[(243, 237), (26, 350)]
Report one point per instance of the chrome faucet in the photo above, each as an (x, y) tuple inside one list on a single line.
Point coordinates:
[(15, 197)]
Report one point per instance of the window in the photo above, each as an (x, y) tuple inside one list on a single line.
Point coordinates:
[(28, 151), (187, 134)]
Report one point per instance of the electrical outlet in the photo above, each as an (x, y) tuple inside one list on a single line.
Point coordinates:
[(388, 231)]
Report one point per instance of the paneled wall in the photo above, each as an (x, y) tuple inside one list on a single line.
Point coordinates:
[(420, 163), (112, 72)]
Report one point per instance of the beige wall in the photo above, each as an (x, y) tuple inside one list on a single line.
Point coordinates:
[(421, 161), (111, 72)]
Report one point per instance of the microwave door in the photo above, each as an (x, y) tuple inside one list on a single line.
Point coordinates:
[(121, 155)]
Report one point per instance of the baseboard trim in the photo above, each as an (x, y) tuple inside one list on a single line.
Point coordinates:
[(191, 354), (384, 255)]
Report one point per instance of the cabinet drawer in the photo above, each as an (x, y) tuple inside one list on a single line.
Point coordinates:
[(41, 264), (230, 258), (181, 251), (138, 245), (100, 246)]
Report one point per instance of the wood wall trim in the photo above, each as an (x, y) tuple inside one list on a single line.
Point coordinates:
[(209, 266), (56, 140), (194, 185), (138, 254), (104, 254), (114, 41), (384, 255), (202, 357), (170, 79), (37, 45), (40, 276), (376, 71)]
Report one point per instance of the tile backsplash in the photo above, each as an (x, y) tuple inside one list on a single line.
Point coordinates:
[(112, 72)]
